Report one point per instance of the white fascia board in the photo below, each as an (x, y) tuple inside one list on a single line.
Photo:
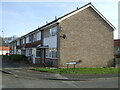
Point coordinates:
[(49, 25), (36, 32), (102, 17), (43, 28), (26, 36), (74, 13), (90, 5)]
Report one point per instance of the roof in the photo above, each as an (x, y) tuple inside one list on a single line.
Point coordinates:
[(76, 11), (70, 14), (82, 8), (117, 43), (5, 48)]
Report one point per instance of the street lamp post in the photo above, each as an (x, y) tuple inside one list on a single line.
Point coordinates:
[(2, 41)]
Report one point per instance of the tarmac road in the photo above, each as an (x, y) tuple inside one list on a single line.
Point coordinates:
[(14, 76), (12, 81)]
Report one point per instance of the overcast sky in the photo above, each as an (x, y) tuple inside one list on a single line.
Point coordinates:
[(19, 18)]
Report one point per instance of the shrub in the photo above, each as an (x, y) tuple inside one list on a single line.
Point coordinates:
[(49, 63), (17, 57)]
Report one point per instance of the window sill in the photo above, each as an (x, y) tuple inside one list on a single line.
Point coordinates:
[(51, 58)]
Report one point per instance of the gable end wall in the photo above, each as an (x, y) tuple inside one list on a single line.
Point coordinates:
[(89, 38)]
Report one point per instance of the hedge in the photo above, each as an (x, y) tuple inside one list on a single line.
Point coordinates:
[(17, 57)]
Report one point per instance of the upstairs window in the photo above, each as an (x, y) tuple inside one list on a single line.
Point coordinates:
[(34, 37), (53, 31), (18, 42), (27, 39), (22, 41), (30, 38), (39, 36)]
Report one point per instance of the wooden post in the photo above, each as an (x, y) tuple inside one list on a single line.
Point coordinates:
[(68, 67), (74, 67)]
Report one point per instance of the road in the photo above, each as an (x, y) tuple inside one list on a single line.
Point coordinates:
[(10, 81), (20, 77)]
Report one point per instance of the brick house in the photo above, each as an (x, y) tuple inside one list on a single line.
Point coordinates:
[(83, 34)]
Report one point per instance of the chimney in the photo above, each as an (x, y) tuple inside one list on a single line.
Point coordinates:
[(55, 17), (46, 22), (77, 8)]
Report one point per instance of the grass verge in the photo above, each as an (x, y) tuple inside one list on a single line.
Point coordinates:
[(78, 70)]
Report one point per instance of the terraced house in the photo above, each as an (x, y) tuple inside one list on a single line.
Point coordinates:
[(83, 34)]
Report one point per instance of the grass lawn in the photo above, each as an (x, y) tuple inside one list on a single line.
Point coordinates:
[(78, 70)]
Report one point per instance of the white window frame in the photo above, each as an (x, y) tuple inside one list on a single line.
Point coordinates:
[(30, 39), (49, 53), (36, 53), (23, 41), (39, 36), (118, 48), (53, 31), (27, 39), (30, 52), (18, 42), (34, 37), (54, 52), (23, 52)]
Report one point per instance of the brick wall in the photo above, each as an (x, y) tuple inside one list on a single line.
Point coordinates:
[(89, 38)]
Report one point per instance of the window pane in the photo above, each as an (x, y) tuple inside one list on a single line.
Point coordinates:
[(47, 53), (53, 31), (30, 52), (38, 53), (50, 54), (23, 52), (34, 37), (54, 54)]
